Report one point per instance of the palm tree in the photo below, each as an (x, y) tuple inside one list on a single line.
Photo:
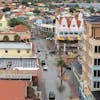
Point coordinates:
[(61, 63)]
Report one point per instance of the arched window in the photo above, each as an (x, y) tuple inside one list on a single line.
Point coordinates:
[(17, 38), (76, 33), (71, 33), (5, 38), (66, 33), (61, 33)]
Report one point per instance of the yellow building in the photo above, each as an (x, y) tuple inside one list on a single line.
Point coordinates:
[(15, 50)]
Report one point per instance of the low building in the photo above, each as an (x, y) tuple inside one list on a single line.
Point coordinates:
[(17, 90), (16, 50)]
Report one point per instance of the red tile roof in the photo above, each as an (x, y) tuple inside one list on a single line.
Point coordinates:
[(21, 28), (12, 90)]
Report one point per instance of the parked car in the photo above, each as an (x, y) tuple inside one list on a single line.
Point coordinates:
[(51, 95), (38, 50), (43, 62), (68, 67), (52, 52), (45, 67)]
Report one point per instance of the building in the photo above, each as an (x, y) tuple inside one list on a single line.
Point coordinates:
[(16, 50), (68, 29), (3, 23), (17, 90), (90, 60)]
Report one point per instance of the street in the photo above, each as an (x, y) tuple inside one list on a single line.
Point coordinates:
[(49, 80)]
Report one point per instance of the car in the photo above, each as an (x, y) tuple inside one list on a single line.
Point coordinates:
[(38, 50), (45, 67), (43, 62), (52, 52), (51, 95)]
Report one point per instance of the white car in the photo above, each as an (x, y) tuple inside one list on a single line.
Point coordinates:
[(45, 67)]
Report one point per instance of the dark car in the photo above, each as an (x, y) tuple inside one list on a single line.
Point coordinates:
[(51, 95), (43, 62), (38, 50), (68, 67), (52, 52)]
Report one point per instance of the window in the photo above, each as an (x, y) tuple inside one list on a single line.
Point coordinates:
[(61, 33), (95, 49), (95, 61), (75, 33), (63, 25), (73, 25), (95, 73), (99, 49), (28, 51), (18, 51), (0, 24), (96, 84), (6, 51), (99, 73), (66, 33), (98, 61)]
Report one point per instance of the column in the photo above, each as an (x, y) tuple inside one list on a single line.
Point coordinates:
[(64, 48)]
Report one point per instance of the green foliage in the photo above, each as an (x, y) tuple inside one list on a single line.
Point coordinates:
[(72, 9), (17, 38), (61, 88), (13, 22), (36, 11), (91, 9), (6, 38), (61, 63)]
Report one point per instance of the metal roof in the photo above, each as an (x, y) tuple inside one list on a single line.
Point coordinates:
[(10, 45), (18, 63)]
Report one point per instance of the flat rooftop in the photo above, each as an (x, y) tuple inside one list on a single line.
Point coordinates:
[(11, 45), (96, 95), (19, 63), (95, 19)]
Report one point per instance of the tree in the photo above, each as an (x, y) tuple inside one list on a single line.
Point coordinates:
[(5, 38), (36, 11), (13, 22), (17, 38), (72, 9), (61, 63)]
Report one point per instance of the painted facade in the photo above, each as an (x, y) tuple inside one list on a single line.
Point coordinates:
[(68, 29), (15, 50), (90, 55), (3, 24)]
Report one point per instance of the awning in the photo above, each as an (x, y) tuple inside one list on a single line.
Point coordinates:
[(71, 38), (60, 38), (79, 38)]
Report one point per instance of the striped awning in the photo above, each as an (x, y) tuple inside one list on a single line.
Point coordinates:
[(69, 38), (60, 38)]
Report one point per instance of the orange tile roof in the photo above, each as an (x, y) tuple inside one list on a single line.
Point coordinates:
[(21, 28), (12, 90)]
